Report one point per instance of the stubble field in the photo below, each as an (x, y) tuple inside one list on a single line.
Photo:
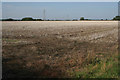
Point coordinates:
[(55, 49)]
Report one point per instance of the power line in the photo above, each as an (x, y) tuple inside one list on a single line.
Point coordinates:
[(44, 16)]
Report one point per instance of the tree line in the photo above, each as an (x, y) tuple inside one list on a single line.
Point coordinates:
[(23, 19), (31, 19)]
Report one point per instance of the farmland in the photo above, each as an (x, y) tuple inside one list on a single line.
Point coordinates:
[(55, 49)]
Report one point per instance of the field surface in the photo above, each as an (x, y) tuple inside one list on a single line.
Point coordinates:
[(54, 49)]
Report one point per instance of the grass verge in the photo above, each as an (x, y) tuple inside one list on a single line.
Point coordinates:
[(100, 68)]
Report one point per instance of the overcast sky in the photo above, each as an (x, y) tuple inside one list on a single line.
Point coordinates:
[(60, 10)]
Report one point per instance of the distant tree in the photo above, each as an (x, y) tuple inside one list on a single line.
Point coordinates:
[(27, 19), (74, 20), (86, 19), (38, 20), (10, 19), (82, 18), (67, 20), (116, 18)]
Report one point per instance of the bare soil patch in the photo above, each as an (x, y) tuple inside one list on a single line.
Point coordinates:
[(53, 49)]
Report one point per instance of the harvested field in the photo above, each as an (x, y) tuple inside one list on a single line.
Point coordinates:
[(55, 49)]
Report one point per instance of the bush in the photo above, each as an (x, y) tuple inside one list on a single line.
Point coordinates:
[(28, 19), (39, 20), (116, 18), (10, 19), (82, 18), (74, 20)]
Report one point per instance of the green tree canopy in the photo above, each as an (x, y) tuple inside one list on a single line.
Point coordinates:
[(82, 18), (27, 19), (116, 18), (10, 19)]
